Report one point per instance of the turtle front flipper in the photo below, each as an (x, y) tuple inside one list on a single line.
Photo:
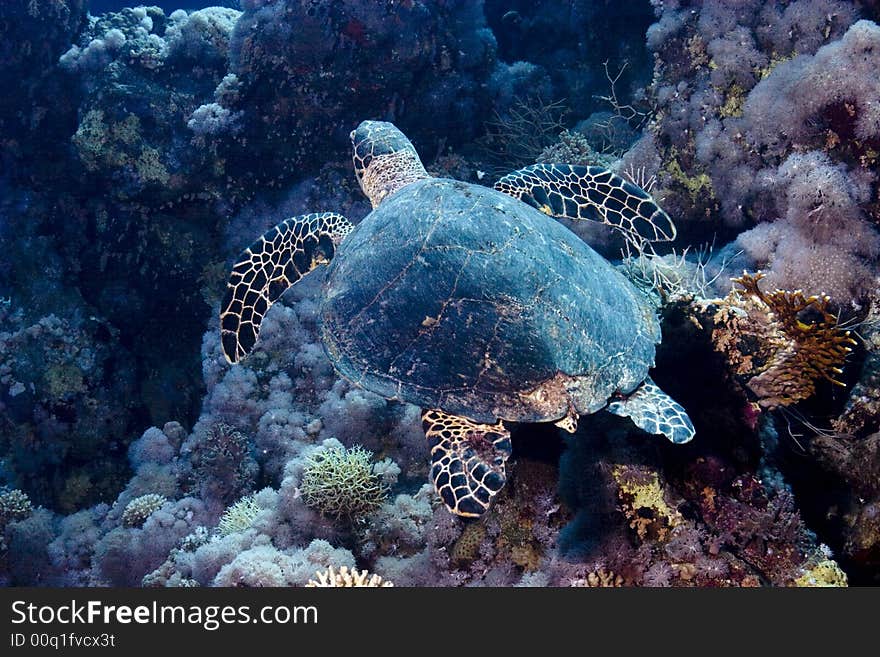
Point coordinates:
[(467, 461), (654, 411), (269, 266), (592, 194)]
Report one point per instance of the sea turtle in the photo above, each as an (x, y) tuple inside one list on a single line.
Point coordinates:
[(471, 303)]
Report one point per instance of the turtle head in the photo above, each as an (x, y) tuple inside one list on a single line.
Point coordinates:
[(384, 160)]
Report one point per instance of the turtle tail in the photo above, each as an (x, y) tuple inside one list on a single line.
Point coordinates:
[(267, 268)]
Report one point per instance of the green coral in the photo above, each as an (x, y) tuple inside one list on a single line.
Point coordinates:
[(63, 380), (239, 517), (341, 482), (696, 185), (574, 148)]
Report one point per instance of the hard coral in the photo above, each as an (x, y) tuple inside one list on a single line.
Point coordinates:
[(139, 509), (824, 574), (239, 517), (599, 579), (14, 505), (642, 500), (353, 578), (779, 343), (341, 482)]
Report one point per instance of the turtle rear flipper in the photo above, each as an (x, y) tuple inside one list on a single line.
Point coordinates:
[(269, 266), (592, 194), (654, 411), (467, 461)]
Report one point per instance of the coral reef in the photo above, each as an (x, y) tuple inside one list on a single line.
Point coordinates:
[(140, 150), (765, 115)]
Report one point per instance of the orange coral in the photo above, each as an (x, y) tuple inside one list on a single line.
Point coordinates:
[(782, 341)]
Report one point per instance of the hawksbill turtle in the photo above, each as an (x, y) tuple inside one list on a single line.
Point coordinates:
[(472, 303)]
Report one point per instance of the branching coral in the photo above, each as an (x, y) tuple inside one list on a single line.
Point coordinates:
[(353, 578), (520, 135), (139, 509), (342, 483), (239, 517), (780, 343)]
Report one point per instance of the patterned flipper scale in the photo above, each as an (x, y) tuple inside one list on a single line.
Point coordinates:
[(467, 461), (267, 268), (591, 194), (654, 411)]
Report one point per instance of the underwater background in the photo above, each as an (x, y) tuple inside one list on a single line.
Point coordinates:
[(142, 148)]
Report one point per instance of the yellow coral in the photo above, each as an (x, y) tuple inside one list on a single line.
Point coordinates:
[(775, 60), (526, 556), (644, 505), (150, 167), (347, 578), (696, 48), (467, 548), (118, 145), (733, 102), (824, 574)]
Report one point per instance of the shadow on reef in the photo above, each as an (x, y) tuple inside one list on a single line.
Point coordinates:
[(710, 513), (141, 150)]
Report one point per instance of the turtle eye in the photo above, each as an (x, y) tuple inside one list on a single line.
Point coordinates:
[(351, 135)]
